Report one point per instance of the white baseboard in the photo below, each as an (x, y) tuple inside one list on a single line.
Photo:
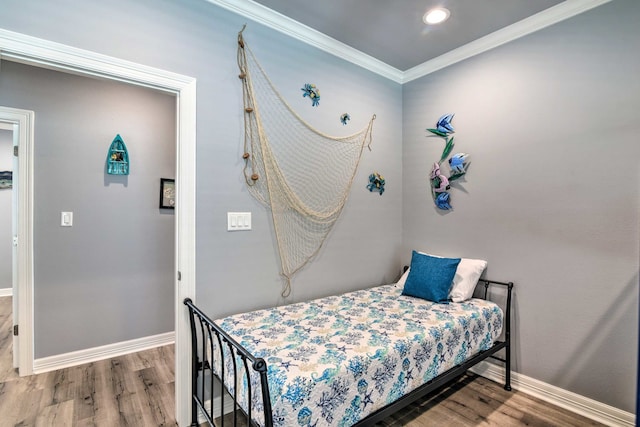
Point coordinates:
[(228, 408), (228, 404), (65, 360), (573, 402), (6, 292)]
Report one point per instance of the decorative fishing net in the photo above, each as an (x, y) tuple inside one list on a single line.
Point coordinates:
[(300, 173)]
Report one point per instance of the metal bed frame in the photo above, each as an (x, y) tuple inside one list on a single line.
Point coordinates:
[(209, 333)]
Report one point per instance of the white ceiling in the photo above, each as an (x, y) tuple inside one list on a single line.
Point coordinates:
[(388, 37)]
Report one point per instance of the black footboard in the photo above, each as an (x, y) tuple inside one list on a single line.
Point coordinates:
[(214, 339), (208, 341)]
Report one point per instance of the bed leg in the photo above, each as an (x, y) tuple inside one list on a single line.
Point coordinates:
[(507, 374), (507, 368), (507, 383)]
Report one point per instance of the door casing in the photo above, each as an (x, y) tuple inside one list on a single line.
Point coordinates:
[(22, 125), (43, 53)]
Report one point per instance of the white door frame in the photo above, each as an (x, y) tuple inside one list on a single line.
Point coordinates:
[(15, 217), (43, 53), (22, 123)]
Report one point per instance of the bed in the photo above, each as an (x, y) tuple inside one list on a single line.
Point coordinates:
[(351, 359)]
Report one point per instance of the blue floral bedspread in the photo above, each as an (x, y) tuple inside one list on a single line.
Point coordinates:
[(334, 360)]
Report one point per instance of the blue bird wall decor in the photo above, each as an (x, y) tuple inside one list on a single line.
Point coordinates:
[(442, 201), (440, 184), (458, 165), (443, 126)]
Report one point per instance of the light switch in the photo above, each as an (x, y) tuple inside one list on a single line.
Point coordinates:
[(66, 219), (238, 221)]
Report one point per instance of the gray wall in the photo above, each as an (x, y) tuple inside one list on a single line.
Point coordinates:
[(91, 279), (240, 271), (551, 196), (6, 248)]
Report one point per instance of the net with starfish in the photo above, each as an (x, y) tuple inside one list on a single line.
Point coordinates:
[(301, 174)]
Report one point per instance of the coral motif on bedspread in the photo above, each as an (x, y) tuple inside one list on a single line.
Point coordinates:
[(335, 360)]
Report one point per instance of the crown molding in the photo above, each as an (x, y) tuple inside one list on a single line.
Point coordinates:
[(553, 15), (57, 56), (275, 20), (57, 53), (283, 24)]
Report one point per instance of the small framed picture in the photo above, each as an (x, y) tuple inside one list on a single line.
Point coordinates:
[(6, 179), (167, 193)]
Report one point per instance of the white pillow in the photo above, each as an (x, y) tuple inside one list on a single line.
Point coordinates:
[(465, 280), (403, 278)]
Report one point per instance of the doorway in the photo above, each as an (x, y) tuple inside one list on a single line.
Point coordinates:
[(8, 217), (41, 53), (21, 122)]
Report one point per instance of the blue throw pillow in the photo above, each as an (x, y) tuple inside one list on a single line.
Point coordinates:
[(430, 277)]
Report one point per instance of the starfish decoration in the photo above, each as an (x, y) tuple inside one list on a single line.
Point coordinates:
[(376, 183), (312, 92)]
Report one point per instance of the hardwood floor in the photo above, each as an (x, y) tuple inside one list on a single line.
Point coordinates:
[(477, 401), (132, 390), (138, 390)]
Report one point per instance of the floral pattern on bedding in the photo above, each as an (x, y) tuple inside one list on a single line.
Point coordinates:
[(335, 360)]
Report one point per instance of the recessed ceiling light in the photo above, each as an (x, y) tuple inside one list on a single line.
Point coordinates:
[(436, 16)]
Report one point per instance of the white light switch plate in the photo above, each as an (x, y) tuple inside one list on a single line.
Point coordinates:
[(66, 219), (238, 221)]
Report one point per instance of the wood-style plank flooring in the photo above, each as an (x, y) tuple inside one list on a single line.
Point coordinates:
[(477, 401), (138, 390), (132, 390)]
